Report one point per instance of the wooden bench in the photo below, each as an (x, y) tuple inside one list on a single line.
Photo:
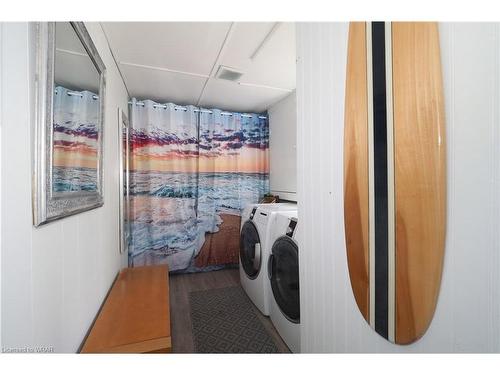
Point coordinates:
[(135, 318)]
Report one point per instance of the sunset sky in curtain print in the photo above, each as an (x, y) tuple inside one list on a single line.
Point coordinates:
[(227, 144), (75, 129)]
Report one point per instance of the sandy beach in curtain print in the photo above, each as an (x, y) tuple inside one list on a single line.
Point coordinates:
[(191, 220), (75, 139)]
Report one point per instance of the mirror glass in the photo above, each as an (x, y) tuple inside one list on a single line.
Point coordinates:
[(75, 115)]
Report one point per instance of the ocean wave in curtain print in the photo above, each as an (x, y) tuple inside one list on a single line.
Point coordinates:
[(75, 139), (192, 173)]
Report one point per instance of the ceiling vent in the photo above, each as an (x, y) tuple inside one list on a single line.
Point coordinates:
[(227, 73)]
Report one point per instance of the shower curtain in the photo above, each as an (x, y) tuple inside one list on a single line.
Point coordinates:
[(192, 172)]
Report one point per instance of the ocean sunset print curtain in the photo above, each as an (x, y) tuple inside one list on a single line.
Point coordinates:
[(192, 172)]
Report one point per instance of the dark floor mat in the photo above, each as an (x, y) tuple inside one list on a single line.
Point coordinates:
[(224, 321)]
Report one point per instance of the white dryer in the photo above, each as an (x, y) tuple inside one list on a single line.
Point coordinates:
[(254, 250), (283, 273)]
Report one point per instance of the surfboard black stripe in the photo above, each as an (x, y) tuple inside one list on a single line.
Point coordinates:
[(380, 177)]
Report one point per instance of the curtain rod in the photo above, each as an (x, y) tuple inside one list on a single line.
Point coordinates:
[(76, 93), (177, 108), (180, 108)]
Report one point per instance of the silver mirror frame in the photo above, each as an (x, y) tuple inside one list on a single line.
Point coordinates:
[(48, 205), (124, 190)]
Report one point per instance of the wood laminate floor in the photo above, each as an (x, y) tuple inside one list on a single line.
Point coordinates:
[(180, 287)]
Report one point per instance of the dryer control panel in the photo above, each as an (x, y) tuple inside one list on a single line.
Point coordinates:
[(291, 227), (253, 213)]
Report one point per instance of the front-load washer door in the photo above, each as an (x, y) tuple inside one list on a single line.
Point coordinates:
[(250, 250), (283, 271)]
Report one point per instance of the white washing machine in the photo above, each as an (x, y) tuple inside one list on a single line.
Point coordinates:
[(283, 273), (254, 250)]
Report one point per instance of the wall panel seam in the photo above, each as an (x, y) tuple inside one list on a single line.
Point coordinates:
[(494, 197), (451, 175)]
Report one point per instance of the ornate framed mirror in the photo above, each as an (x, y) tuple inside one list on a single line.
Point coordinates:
[(70, 96)]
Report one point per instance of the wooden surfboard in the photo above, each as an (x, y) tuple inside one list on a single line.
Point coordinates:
[(395, 175)]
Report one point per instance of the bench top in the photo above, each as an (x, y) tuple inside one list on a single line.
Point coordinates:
[(135, 317)]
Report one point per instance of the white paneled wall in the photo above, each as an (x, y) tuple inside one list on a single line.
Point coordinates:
[(467, 317), (1, 121), (283, 147), (55, 277)]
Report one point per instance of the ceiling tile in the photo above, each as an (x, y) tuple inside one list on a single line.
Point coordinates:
[(275, 63), (245, 39), (71, 57), (65, 67), (67, 39), (184, 46), (162, 86), (234, 97)]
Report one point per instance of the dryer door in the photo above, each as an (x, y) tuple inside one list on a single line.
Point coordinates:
[(284, 276), (250, 253)]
